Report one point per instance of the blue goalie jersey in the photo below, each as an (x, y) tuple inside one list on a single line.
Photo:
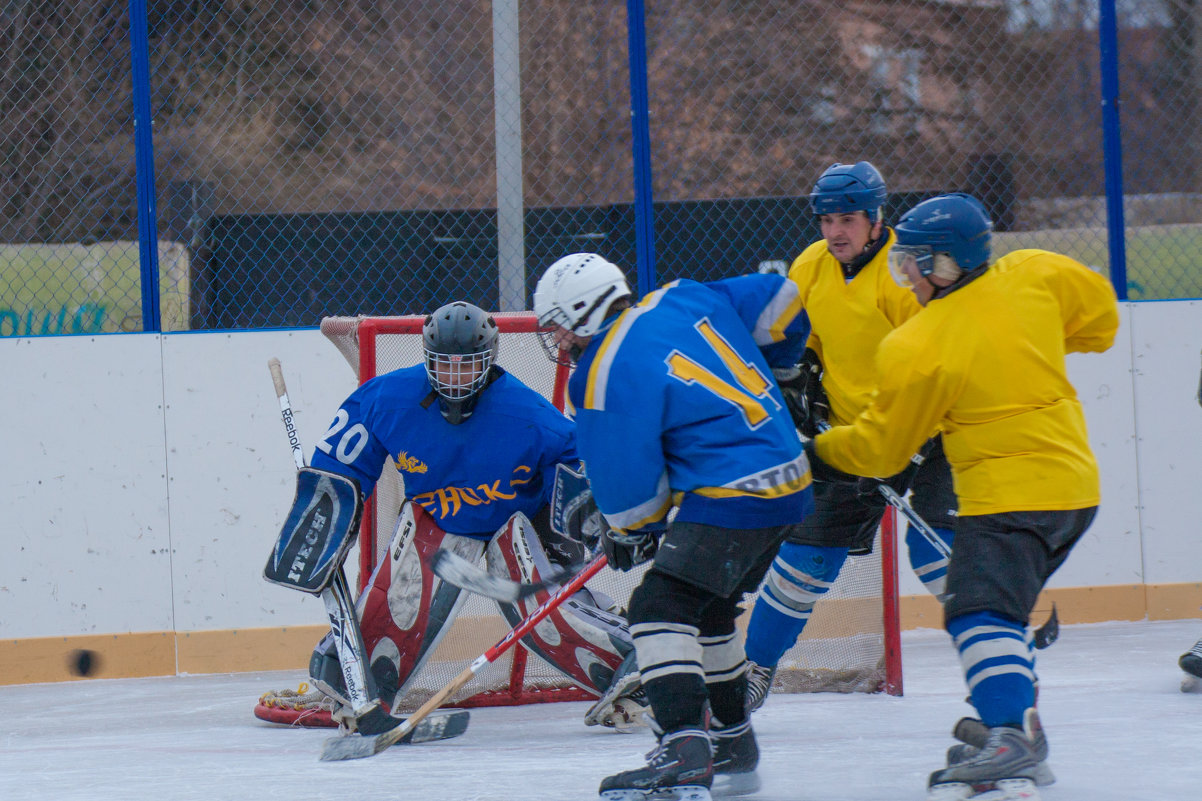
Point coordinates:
[(676, 405), (470, 477)]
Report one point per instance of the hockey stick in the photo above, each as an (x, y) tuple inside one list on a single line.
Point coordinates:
[(340, 609), (454, 569), (360, 747), (1043, 636)]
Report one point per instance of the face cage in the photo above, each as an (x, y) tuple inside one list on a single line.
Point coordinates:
[(450, 364), (560, 356), (547, 325)]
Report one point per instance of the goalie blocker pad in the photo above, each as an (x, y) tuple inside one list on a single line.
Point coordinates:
[(317, 533), (574, 513)]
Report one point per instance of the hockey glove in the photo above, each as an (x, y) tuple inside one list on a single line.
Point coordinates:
[(801, 387), (821, 471), (625, 550)]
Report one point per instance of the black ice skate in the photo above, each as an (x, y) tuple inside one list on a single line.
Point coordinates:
[(680, 768), (736, 756), (1004, 769), (973, 734), (1191, 660), (759, 683)]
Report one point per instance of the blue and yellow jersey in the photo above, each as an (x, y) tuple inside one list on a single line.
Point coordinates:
[(470, 477), (676, 406)]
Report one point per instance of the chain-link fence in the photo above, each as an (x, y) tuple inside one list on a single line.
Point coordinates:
[(177, 164)]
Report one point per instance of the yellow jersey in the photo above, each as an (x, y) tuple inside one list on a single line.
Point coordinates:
[(986, 364), (849, 319)]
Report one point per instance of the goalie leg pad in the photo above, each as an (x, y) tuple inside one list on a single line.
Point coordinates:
[(406, 610), (580, 639), (317, 533)]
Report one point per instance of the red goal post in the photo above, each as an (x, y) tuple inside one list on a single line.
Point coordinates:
[(850, 645)]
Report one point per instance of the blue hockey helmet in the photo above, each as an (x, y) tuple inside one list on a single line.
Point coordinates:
[(846, 188), (946, 235)]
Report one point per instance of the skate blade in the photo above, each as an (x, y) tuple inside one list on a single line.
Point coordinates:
[(1002, 790), (682, 793), (727, 785)]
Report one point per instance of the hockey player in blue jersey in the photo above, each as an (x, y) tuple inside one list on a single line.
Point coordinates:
[(676, 411), (477, 451)]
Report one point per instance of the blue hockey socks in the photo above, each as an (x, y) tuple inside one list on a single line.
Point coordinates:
[(998, 666), (799, 576)]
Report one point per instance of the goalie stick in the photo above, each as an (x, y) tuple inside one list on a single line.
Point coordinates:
[(359, 747), (340, 608), (1043, 636)]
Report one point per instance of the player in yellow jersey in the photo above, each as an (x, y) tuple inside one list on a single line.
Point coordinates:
[(984, 362), (853, 303)]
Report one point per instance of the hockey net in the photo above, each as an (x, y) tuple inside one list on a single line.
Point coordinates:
[(851, 643)]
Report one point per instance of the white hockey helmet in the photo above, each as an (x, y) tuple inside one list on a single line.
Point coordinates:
[(576, 292)]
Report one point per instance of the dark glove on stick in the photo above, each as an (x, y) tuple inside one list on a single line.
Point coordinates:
[(801, 387), (823, 471), (626, 550)]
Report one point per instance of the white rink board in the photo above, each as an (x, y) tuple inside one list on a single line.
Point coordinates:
[(84, 487), (1168, 339), (231, 468), (146, 476)]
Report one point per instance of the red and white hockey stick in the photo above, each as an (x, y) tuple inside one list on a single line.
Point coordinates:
[(360, 747)]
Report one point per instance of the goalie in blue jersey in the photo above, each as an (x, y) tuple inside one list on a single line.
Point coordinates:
[(477, 451), (677, 411)]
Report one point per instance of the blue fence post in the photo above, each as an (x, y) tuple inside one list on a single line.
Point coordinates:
[(148, 239), (1112, 146), (640, 129)]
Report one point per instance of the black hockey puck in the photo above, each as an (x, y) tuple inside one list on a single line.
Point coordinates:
[(82, 662)]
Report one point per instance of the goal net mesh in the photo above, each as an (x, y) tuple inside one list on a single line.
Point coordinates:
[(849, 645)]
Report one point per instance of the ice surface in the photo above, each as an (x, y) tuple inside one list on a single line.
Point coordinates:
[(1118, 725)]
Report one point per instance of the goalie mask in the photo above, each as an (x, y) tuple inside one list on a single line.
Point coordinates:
[(459, 341)]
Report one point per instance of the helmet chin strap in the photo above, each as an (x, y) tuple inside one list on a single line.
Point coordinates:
[(965, 278), (871, 248)]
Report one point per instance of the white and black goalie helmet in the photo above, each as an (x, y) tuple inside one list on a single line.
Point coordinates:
[(460, 344)]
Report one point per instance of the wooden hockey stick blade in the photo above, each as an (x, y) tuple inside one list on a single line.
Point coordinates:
[(1049, 632), (360, 747), (454, 569)]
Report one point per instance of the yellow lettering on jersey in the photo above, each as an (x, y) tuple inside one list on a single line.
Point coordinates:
[(521, 475), (469, 496), (448, 501), (746, 374), (493, 493), (684, 369)]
